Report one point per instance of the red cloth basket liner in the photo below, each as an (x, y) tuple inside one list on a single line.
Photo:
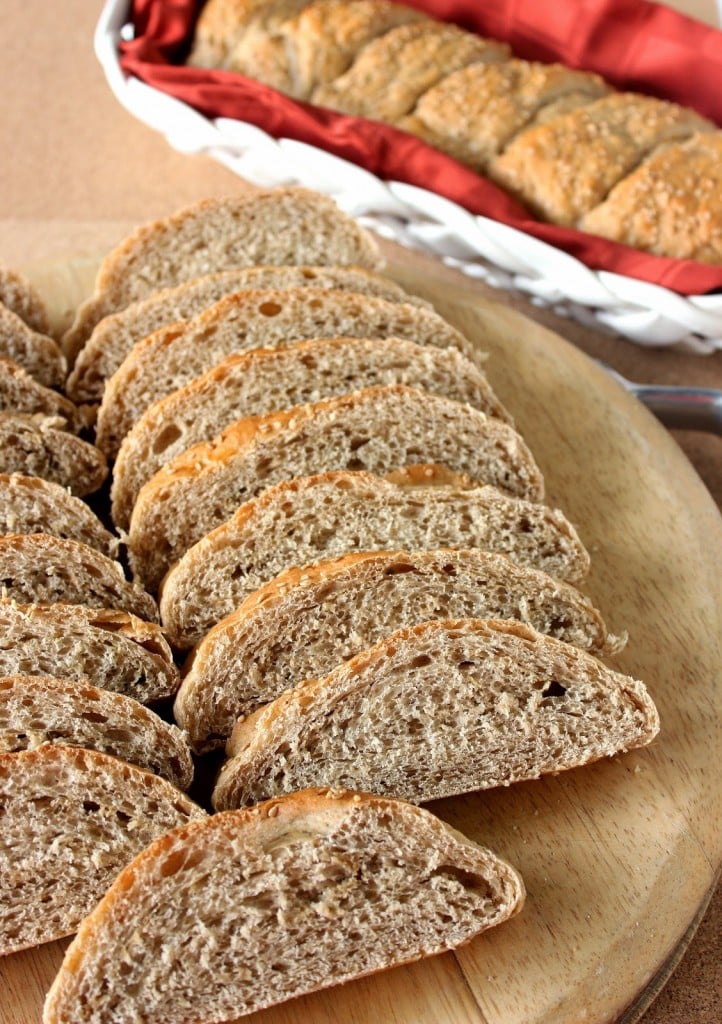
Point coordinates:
[(636, 45)]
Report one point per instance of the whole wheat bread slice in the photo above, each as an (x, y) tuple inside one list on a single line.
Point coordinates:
[(308, 621), (37, 567), (22, 298), (267, 380), (279, 226), (19, 392), (114, 337), (72, 819), (42, 709), (29, 504), (301, 522), (376, 429), (112, 650), (456, 706), (39, 446), (254, 907), (37, 353), (174, 356)]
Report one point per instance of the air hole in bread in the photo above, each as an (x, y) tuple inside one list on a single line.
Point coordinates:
[(270, 308), (94, 716), (168, 436), (465, 666), (554, 689), (420, 661), (397, 568), (90, 806), (465, 878)]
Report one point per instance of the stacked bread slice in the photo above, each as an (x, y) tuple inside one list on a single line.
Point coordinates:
[(316, 482)]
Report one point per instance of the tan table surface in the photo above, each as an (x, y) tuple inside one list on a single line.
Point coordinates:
[(78, 172)]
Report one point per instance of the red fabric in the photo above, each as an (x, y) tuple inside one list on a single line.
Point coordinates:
[(634, 44)]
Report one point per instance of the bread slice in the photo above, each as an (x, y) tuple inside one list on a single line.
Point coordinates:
[(109, 649), (19, 392), (377, 429), (278, 226), (311, 519), (40, 568), (307, 621), (390, 75), (250, 908), (72, 818), (174, 356), (456, 706), (29, 504), (22, 298), (39, 446), (41, 709), (267, 380), (37, 353), (114, 337)]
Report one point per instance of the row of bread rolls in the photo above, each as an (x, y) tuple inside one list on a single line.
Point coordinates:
[(625, 166), (304, 464)]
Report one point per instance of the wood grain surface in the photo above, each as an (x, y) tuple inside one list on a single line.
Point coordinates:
[(620, 856)]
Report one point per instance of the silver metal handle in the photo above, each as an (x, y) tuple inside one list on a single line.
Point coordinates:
[(678, 408)]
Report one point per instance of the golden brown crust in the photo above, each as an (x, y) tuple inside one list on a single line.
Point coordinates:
[(564, 168), (671, 205), (427, 51), (474, 112)]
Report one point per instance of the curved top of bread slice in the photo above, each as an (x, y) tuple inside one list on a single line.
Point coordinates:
[(456, 706), (110, 649), (38, 354), (174, 356), (72, 819), (278, 226), (42, 709), (114, 337), (259, 887), (23, 299), (267, 380), (307, 621), (39, 446), (377, 429), (29, 504), (37, 567), (19, 392)]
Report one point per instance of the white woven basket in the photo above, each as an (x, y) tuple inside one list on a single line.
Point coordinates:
[(482, 248)]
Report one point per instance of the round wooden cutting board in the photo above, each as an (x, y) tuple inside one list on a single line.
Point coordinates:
[(617, 857)]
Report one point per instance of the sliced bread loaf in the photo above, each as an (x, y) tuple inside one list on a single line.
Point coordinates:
[(376, 429), (456, 706), (37, 567), (41, 709), (313, 518), (114, 337), (22, 298), (307, 621), (19, 392), (39, 446), (174, 356), (254, 907), (112, 650), (38, 354), (280, 226), (267, 380), (29, 504), (72, 818)]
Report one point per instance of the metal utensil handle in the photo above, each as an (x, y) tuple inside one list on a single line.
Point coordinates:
[(683, 408)]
